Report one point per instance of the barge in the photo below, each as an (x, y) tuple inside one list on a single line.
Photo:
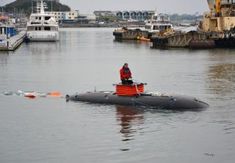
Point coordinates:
[(216, 30)]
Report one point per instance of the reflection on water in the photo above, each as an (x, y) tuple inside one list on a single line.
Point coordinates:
[(3, 58), (129, 119), (221, 54), (136, 44), (42, 48), (222, 79), (228, 125)]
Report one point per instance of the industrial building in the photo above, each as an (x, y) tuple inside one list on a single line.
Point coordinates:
[(138, 15), (65, 15)]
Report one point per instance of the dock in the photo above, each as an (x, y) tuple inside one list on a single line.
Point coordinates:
[(12, 43)]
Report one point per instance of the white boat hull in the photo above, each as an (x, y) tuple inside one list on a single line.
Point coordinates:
[(42, 36)]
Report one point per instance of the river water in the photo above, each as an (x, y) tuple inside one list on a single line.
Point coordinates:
[(53, 130)]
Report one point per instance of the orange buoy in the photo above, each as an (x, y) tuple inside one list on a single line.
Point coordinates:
[(55, 94)]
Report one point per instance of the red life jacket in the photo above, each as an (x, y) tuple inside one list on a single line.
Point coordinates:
[(125, 73)]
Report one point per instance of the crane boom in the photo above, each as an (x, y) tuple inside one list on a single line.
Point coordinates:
[(218, 7)]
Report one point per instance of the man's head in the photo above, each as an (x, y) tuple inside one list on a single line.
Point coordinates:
[(125, 65)]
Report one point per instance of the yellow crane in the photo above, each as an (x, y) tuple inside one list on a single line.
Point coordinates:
[(218, 7)]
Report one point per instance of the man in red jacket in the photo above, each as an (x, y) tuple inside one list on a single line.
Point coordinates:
[(125, 74)]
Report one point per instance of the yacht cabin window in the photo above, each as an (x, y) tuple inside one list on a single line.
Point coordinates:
[(38, 28), (155, 27), (47, 17), (47, 28), (147, 27)]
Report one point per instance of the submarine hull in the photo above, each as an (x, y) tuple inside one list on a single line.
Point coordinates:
[(175, 102)]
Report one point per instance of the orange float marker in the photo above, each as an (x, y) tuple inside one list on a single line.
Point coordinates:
[(54, 94)]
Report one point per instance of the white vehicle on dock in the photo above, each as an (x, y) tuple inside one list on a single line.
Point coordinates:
[(42, 26)]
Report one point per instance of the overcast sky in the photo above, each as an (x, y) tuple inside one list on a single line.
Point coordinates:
[(166, 6)]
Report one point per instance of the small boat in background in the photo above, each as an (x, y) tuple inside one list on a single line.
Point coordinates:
[(142, 38), (158, 24)]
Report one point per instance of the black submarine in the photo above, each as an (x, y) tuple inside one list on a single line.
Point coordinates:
[(134, 95)]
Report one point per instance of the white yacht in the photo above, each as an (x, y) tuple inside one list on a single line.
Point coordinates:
[(42, 26)]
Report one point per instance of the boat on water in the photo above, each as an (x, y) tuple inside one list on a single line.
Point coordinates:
[(220, 22), (42, 26), (216, 30), (134, 95), (159, 23)]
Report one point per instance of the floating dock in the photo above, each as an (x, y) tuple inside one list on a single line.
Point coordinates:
[(12, 43)]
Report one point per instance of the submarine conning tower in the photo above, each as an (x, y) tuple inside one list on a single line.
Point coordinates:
[(134, 89), (221, 16)]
